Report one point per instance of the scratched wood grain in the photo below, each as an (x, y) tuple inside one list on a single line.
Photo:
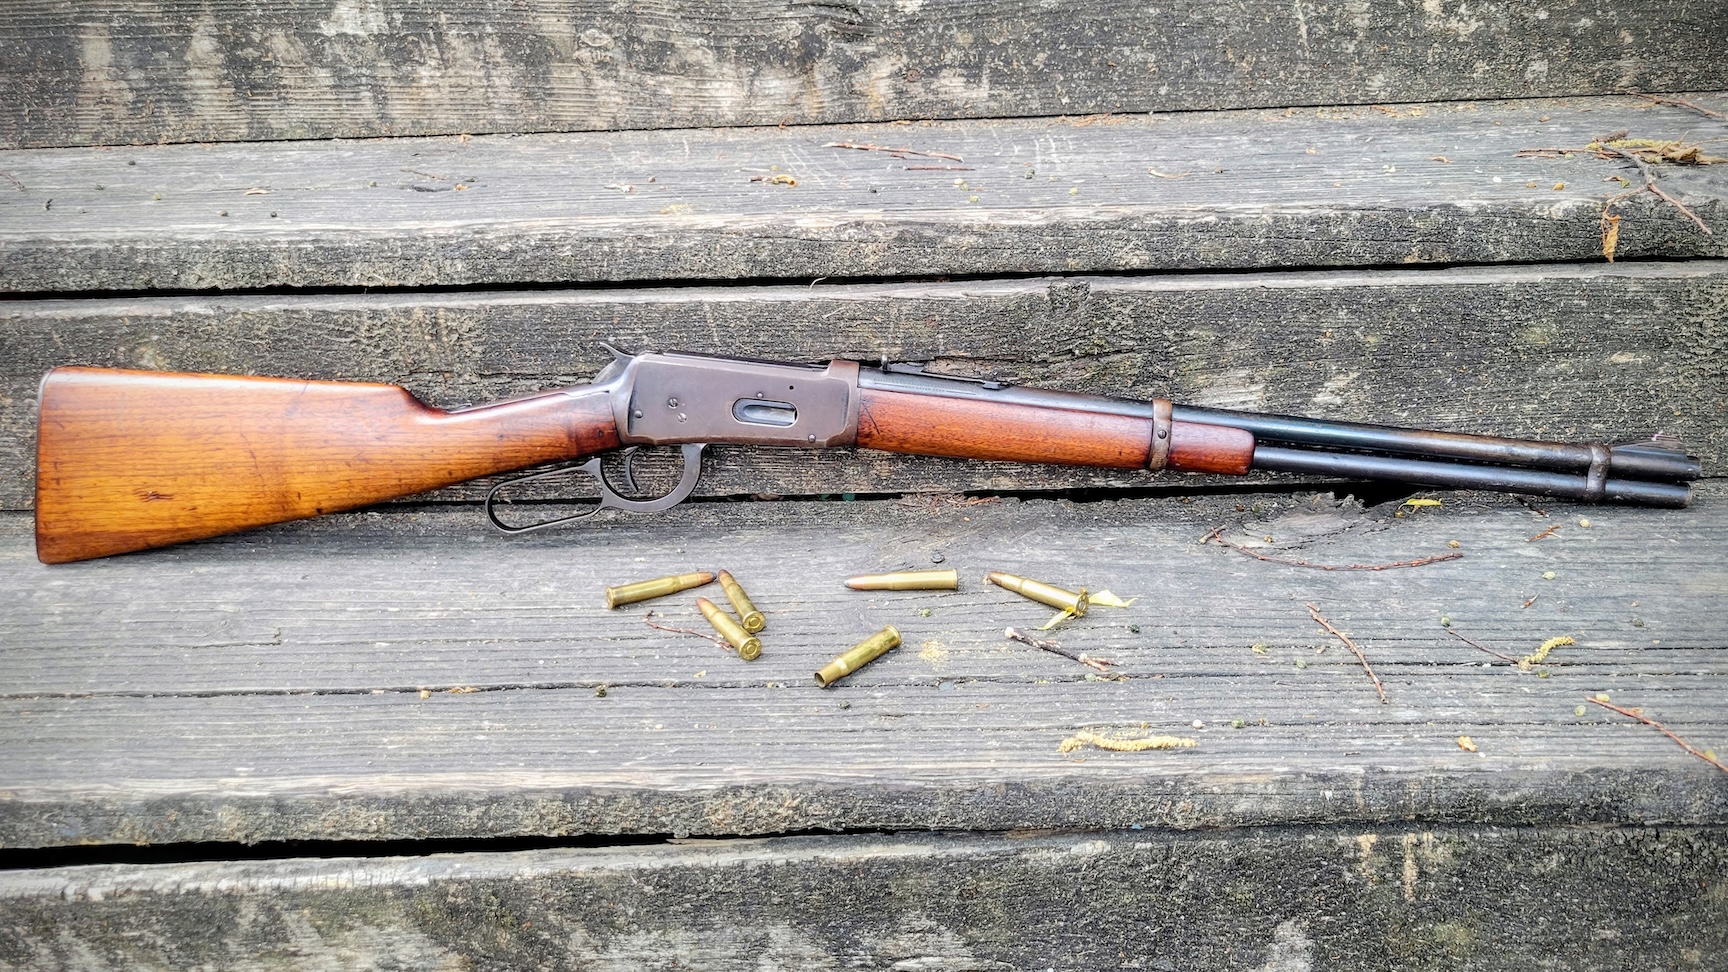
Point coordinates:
[(1397, 897), (1564, 352), (147, 71), (387, 676), (1434, 184)]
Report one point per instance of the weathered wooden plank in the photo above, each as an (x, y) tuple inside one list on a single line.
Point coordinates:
[(281, 676), (144, 71), (1305, 187), (1565, 352), (1395, 898)]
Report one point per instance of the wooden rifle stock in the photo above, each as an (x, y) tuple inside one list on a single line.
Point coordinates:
[(128, 460)]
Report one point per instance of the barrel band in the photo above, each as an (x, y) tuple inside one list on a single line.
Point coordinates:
[(1596, 480), (1162, 430)]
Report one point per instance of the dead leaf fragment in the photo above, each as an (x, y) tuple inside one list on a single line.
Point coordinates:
[(1610, 236), (1467, 744)]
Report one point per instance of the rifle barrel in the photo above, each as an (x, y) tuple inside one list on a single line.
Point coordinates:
[(1639, 460), (1462, 475)]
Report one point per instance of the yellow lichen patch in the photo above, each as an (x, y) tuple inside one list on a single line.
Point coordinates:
[(1124, 744), (1536, 657)]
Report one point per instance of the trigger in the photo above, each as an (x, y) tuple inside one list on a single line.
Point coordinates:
[(629, 471)]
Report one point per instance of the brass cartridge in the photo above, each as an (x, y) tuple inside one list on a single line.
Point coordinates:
[(658, 587), (1073, 602), (748, 645), (907, 580), (747, 613), (858, 656)]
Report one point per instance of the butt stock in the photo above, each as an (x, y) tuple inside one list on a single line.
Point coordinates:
[(128, 460)]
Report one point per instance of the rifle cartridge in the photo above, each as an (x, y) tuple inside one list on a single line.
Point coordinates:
[(1074, 602), (747, 613), (858, 656), (748, 645), (907, 580), (658, 587)]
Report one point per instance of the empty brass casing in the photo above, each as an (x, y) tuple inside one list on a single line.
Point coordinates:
[(658, 587), (748, 645), (1070, 601), (747, 613), (858, 656), (907, 580)]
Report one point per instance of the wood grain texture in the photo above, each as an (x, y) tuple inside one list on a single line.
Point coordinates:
[(1560, 352), (375, 677), (1400, 897), (129, 460), (967, 429), (1433, 184), (1210, 449), (147, 71)]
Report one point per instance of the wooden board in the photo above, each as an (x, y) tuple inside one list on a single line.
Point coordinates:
[(379, 677), (1435, 184), (1561, 352), (1400, 897), (145, 71)]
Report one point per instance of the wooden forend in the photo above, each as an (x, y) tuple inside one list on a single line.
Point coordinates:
[(131, 459), (932, 425)]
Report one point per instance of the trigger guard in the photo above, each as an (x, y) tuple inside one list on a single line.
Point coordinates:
[(611, 500)]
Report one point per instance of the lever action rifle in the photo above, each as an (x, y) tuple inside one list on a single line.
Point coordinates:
[(128, 460)]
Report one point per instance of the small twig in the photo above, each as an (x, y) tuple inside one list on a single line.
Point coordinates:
[(1659, 727), (885, 148), (14, 180), (1101, 664), (1677, 204), (1218, 536), (1649, 186), (647, 620), (1483, 647), (1532, 600), (1544, 533), (1679, 103), (1352, 646), (941, 168)]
